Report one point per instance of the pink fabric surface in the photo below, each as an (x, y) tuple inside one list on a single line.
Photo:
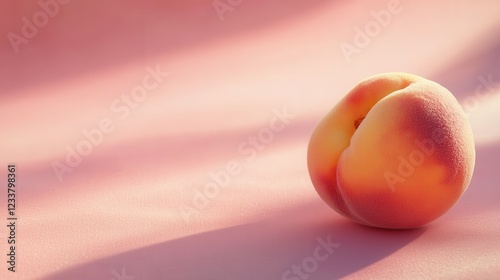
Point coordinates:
[(131, 209)]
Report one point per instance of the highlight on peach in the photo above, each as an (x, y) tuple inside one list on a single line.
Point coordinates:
[(396, 152)]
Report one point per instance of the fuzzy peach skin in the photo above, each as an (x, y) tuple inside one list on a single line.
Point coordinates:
[(396, 152)]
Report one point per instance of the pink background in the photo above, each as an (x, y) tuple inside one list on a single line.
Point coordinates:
[(119, 212)]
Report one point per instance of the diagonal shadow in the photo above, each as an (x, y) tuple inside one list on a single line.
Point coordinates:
[(463, 77), (169, 154), (261, 250), (122, 32)]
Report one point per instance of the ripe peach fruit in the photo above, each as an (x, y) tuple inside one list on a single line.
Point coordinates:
[(396, 152)]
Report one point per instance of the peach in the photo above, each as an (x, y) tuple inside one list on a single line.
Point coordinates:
[(396, 152)]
